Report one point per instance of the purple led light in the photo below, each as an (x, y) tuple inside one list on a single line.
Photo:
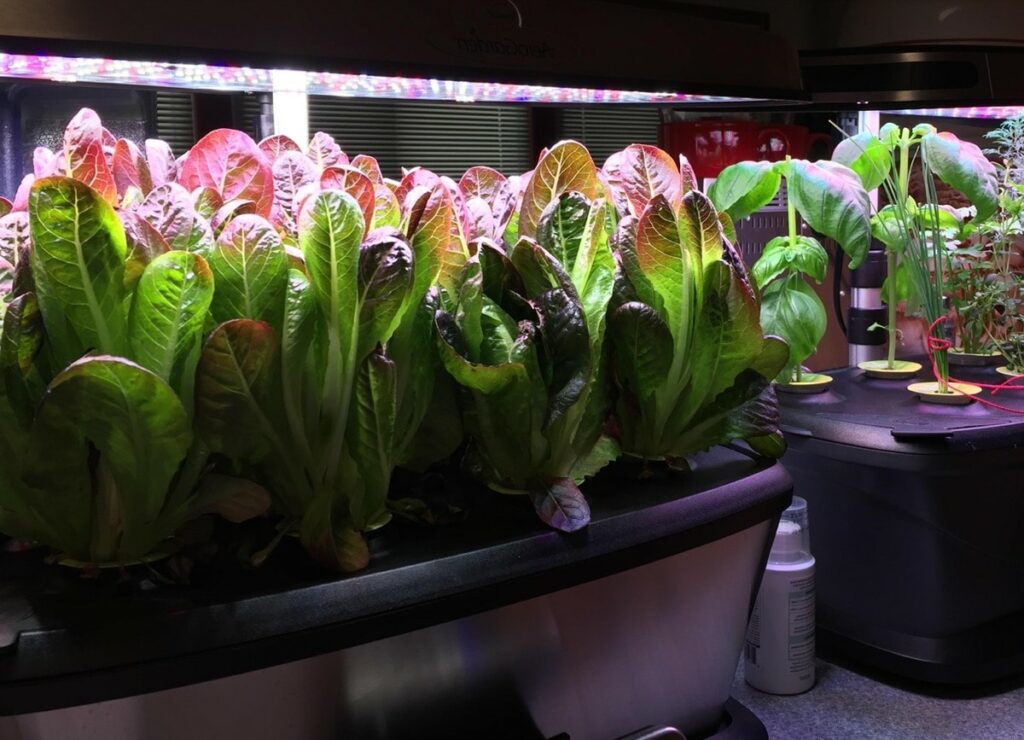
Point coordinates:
[(976, 111), (247, 79)]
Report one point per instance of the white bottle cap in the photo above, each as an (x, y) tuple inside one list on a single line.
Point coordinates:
[(792, 539)]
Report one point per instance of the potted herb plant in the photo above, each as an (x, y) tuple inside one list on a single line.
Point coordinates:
[(830, 198), (913, 232)]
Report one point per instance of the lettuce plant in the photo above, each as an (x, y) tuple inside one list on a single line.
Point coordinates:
[(101, 463), (523, 335), (830, 198), (98, 351), (690, 360), (320, 374)]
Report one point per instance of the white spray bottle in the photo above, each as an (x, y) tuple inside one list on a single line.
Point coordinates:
[(780, 636)]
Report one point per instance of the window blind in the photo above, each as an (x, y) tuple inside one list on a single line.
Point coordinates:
[(174, 122), (605, 131), (447, 138)]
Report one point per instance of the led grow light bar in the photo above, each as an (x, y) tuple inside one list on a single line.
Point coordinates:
[(249, 79), (974, 111)]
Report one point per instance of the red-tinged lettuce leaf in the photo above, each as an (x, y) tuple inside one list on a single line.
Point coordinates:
[(566, 167), (235, 499), (130, 168), (561, 505), (700, 227), (477, 376), (631, 283), (169, 209), (230, 211), (562, 322), (338, 548), (292, 171), (330, 232), (140, 432), (744, 188), (384, 284), (83, 154), (671, 266), (230, 162), (276, 145), (20, 202), (108, 140), (413, 208), (325, 152), (831, 199), (169, 308), (438, 256), (372, 439), (15, 239), (611, 178), (962, 165), (233, 383), (21, 381), (641, 349), (45, 163), (413, 179), (746, 410), (478, 221), (646, 171), (370, 167), (207, 201), (144, 242), (386, 211), (355, 183), (729, 341), (687, 177), (250, 270), (493, 188), (163, 168), (78, 255)]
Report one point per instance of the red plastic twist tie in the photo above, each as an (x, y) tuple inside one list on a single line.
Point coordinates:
[(938, 344)]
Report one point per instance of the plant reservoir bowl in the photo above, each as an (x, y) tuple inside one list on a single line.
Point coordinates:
[(1008, 372), (900, 370), (809, 383), (494, 616), (960, 394), (972, 359), (878, 465)]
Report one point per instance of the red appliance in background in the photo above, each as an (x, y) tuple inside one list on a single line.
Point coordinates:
[(796, 141), (712, 144)]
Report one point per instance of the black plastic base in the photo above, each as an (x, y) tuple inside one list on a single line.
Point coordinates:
[(740, 724), (917, 524), (980, 655)]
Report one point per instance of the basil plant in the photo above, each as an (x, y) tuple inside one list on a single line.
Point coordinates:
[(831, 200)]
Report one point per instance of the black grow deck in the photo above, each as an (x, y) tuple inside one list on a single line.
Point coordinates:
[(68, 640), (917, 522)]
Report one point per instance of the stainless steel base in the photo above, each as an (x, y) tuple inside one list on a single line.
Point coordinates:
[(655, 645)]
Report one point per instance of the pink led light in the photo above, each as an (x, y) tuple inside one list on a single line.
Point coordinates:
[(977, 111), (246, 79)]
